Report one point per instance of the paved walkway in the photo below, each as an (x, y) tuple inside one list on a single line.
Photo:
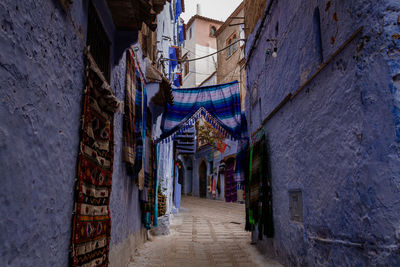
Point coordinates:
[(205, 233)]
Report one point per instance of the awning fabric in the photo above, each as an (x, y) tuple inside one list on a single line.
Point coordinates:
[(219, 104)]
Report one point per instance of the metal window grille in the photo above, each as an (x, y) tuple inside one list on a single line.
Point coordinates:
[(98, 41)]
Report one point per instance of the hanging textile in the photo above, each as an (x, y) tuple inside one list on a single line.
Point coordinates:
[(259, 193), (129, 140), (165, 177), (242, 158), (230, 184), (181, 34), (177, 79), (178, 9), (91, 226), (148, 207), (134, 129), (219, 105), (172, 63), (177, 191)]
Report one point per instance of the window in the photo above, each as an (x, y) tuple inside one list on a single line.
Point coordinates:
[(213, 30), (186, 67), (232, 45), (98, 41), (190, 33)]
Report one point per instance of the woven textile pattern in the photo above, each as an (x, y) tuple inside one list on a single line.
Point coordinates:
[(91, 227), (128, 149), (222, 102), (230, 184)]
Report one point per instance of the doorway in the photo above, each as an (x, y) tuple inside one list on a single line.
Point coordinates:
[(203, 179)]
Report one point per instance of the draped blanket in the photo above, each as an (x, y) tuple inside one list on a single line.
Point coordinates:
[(222, 102), (91, 225)]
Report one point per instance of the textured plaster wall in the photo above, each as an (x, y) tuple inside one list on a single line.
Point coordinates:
[(338, 140), (41, 81)]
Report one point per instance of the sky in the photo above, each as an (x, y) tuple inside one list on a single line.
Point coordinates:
[(215, 9)]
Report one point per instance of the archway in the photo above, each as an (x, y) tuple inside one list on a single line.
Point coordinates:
[(203, 179)]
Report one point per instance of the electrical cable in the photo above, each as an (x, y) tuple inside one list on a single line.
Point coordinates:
[(194, 59)]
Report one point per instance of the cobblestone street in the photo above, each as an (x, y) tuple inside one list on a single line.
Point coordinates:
[(204, 233)]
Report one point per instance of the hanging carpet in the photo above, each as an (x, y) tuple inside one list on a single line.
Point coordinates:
[(219, 104), (259, 211), (91, 226)]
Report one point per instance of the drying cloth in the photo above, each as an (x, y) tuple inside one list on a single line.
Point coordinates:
[(181, 34), (91, 226), (221, 102), (172, 63), (177, 191), (178, 9)]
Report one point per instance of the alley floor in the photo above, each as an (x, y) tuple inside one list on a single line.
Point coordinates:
[(205, 233)]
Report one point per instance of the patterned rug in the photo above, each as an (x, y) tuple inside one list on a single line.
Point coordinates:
[(91, 226)]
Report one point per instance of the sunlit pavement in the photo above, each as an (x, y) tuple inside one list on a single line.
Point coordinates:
[(205, 233)]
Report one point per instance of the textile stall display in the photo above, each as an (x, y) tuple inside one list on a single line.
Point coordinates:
[(230, 184), (219, 105), (91, 226), (165, 169), (177, 189), (149, 188), (258, 191), (134, 129)]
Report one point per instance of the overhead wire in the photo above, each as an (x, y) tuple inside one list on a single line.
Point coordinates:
[(206, 56)]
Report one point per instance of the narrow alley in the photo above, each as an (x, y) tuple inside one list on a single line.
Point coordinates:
[(199, 133), (204, 233)]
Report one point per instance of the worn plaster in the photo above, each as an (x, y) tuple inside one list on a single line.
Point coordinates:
[(337, 140)]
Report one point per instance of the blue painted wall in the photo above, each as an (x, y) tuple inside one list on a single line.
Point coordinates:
[(338, 139), (41, 81)]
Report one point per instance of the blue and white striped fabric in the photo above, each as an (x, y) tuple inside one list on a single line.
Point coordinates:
[(221, 101)]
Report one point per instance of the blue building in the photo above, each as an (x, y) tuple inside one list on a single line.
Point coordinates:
[(323, 84), (42, 82)]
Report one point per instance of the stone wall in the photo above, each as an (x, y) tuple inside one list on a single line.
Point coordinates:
[(253, 10), (41, 81), (337, 140)]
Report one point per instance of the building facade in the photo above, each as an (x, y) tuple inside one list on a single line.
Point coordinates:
[(322, 83), (43, 81), (231, 61), (200, 41)]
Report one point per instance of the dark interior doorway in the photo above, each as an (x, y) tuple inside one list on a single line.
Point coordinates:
[(203, 179)]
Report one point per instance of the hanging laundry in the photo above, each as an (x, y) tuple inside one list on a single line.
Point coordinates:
[(177, 79), (174, 57), (181, 34), (178, 9)]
